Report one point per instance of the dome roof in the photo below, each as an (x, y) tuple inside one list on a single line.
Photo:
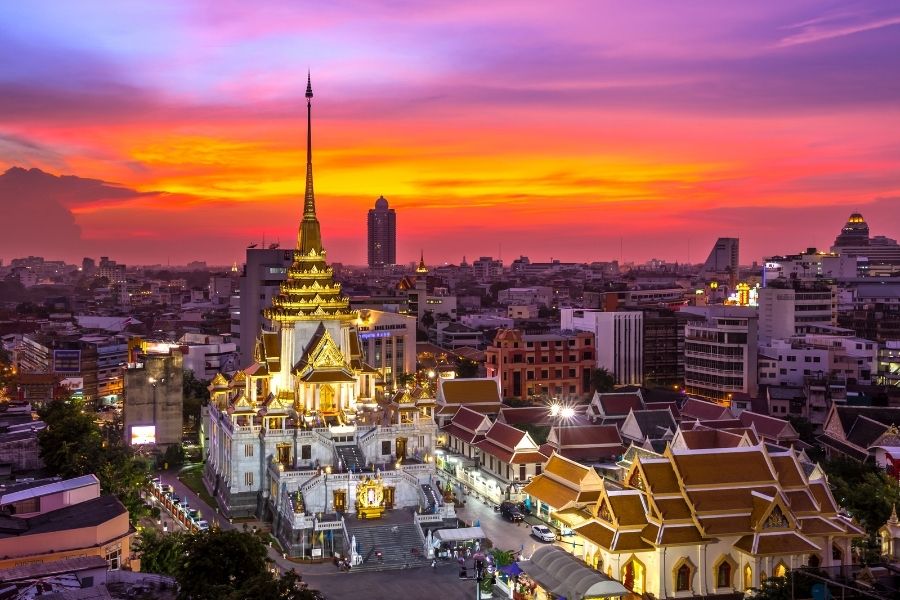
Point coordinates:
[(381, 203)]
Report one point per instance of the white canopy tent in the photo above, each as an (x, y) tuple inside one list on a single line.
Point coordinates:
[(461, 534)]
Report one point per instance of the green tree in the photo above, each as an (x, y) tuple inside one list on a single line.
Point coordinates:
[(289, 586), (406, 379), (196, 395), (773, 588), (805, 429), (466, 369), (73, 445), (427, 320), (216, 563), (160, 553), (503, 558), (173, 456), (867, 492), (538, 433), (602, 380)]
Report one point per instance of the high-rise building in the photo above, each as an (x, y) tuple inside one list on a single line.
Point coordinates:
[(854, 233), (723, 262), (876, 256), (792, 308), (264, 271), (720, 353), (382, 234)]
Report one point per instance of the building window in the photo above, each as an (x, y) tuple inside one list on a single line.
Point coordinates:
[(723, 575), (522, 473), (683, 579), (306, 452), (248, 478), (386, 447), (114, 557), (248, 450)]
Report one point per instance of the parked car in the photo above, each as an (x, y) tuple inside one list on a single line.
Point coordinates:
[(175, 499), (202, 525), (565, 531), (165, 488), (511, 512), (543, 533)]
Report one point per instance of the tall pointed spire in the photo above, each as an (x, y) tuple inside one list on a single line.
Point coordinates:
[(309, 293), (309, 237), (422, 268)]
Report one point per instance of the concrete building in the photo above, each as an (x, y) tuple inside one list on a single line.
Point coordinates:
[(790, 308), (77, 522), (154, 399), (537, 295), (96, 359), (264, 271), (382, 229), (790, 362), (553, 365), (388, 342), (876, 256), (487, 268), (723, 262), (618, 338), (810, 266), (663, 346), (720, 353), (889, 363)]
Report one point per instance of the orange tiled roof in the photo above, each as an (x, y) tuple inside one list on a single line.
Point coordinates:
[(550, 492)]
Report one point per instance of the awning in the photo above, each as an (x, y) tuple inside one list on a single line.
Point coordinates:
[(512, 570), (461, 534), (559, 572)]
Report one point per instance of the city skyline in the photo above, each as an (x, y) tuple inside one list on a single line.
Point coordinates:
[(184, 138)]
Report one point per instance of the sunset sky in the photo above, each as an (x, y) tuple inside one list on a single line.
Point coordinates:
[(575, 130)]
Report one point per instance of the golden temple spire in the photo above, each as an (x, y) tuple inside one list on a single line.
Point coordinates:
[(422, 268), (309, 293), (309, 237)]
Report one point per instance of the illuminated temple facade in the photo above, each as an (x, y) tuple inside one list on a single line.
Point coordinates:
[(297, 432), (698, 523)]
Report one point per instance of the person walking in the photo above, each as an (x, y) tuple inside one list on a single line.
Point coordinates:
[(433, 564)]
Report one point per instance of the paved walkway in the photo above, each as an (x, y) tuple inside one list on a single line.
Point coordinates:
[(412, 584)]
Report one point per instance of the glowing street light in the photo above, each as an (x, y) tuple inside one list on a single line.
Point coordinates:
[(567, 412), (554, 409)]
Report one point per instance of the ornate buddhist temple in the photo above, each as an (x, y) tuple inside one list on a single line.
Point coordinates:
[(301, 434), (710, 522)]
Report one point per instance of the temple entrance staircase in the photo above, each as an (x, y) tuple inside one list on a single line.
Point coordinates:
[(351, 457), (400, 546)]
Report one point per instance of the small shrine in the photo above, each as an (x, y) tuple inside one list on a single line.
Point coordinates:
[(370, 499), (890, 537)]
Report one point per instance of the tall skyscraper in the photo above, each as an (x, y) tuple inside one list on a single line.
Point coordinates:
[(382, 234)]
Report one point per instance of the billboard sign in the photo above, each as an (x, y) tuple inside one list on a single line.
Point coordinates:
[(143, 434)]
